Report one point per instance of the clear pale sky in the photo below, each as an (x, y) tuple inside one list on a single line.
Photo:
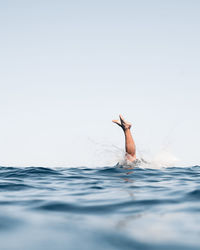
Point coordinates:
[(67, 68)]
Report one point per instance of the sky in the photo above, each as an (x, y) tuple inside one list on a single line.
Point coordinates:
[(67, 68)]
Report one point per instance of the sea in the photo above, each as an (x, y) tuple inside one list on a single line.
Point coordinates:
[(110, 207)]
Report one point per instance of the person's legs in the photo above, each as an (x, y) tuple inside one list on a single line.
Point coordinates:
[(129, 142)]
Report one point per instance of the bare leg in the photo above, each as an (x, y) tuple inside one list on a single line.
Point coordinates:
[(129, 142)]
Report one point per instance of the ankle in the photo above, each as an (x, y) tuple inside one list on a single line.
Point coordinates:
[(126, 130)]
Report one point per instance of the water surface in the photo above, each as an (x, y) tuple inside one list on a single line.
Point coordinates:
[(101, 208)]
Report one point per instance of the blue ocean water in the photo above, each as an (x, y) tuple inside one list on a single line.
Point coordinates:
[(99, 208)]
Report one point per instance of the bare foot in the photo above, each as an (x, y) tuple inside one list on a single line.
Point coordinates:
[(122, 123)]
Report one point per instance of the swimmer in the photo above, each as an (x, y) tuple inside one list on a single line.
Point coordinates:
[(129, 142)]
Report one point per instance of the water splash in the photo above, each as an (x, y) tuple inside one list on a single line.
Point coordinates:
[(164, 158)]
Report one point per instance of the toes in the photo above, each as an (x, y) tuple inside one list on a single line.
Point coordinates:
[(122, 119), (117, 122)]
